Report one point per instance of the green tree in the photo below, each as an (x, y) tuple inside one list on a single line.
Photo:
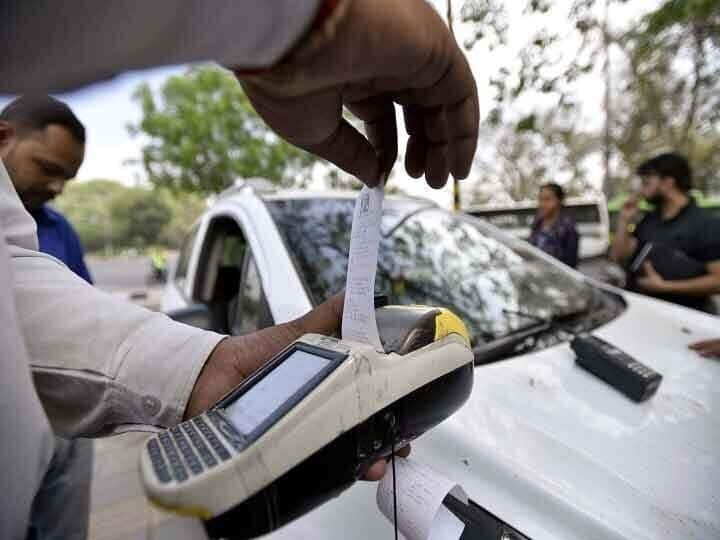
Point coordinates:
[(201, 134), (670, 93), (87, 206), (185, 210), (664, 89), (139, 217), (110, 216)]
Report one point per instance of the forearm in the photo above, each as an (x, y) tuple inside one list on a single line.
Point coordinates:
[(101, 364), (112, 37), (706, 285), (624, 243)]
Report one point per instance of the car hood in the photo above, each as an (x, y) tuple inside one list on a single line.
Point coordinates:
[(557, 453)]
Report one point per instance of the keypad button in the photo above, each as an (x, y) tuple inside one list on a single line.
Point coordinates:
[(187, 451), (178, 469), (158, 462), (220, 449), (228, 430), (180, 473), (199, 444)]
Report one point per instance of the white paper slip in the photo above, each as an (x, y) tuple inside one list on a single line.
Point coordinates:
[(358, 323), (420, 512)]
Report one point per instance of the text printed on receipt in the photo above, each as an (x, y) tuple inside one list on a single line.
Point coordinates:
[(358, 323)]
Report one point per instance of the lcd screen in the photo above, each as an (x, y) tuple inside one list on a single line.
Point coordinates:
[(258, 404)]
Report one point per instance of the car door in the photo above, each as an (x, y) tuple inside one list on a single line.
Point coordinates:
[(175, 295), (227, 280)]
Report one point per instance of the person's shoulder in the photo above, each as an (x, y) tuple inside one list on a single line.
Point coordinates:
[(649, 218), (567, 221), (703, 214), (59, 218), (707, 222)]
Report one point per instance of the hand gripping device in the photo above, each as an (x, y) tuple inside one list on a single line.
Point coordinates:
[(309, 423)]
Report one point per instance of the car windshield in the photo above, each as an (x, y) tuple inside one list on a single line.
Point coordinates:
[(435, 257)]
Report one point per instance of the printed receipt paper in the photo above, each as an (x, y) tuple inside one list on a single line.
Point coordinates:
[(358, 323), (420, 493)]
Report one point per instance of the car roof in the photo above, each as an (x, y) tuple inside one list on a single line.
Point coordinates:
[(268, 191)]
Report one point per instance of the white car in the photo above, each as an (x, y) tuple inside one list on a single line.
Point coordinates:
[(543, 448)]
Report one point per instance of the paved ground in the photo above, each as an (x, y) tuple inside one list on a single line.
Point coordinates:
[(120, 273), (119, 508)]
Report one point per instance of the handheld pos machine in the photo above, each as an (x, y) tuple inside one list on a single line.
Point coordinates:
[(310, 422)]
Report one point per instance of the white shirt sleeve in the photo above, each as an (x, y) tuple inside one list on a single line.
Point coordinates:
[(101, 365), (50, 45)]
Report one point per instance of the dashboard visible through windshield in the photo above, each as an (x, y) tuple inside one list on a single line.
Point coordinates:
[(435, 257)]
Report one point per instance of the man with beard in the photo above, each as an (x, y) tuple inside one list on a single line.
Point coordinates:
[(685, 239), (49, 151)]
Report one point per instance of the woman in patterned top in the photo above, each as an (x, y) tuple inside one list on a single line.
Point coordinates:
[(553, 231)]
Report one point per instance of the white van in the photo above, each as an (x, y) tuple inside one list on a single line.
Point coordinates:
[(543, 449), (590, 215)]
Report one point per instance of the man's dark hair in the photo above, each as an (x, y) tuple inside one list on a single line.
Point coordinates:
[(669, 165), (35, 113), (557, 189)]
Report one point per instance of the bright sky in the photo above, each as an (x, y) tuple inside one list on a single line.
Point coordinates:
[(107, 108)]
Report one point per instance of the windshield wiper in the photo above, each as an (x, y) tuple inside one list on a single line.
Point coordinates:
[(499, 348), (504, 346)]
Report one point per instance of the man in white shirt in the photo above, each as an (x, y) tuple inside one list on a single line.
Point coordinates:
[(122, 367)]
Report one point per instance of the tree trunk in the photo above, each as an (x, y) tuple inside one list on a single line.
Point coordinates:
[(607, 186)]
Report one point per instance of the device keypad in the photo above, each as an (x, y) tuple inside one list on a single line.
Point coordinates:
[(186, 450), (211, 438)]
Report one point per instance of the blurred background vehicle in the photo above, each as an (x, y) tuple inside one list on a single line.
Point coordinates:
[(590, 215)]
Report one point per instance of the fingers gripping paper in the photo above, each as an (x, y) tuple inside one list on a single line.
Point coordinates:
[(358, 323), (420, 512)]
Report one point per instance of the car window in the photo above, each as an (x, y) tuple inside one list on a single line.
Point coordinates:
[(435, 257), (251, 310), (183, 261)]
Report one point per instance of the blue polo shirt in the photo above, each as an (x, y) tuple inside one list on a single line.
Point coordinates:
[(58, 238)]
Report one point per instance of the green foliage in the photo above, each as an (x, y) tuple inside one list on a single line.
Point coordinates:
[(202, 134), (87, 206), (139, 217), (665, 92), (110, 216), (185, 209), (670, 97)]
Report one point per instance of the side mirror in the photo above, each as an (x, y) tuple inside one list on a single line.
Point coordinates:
[(197, 315)]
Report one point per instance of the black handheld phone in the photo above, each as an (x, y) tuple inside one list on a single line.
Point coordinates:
[(614, 366)]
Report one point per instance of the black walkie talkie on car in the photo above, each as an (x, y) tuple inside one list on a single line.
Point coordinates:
[(617, 368)]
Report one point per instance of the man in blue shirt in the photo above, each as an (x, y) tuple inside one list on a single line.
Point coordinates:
[(49, 152), (57, 237)]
